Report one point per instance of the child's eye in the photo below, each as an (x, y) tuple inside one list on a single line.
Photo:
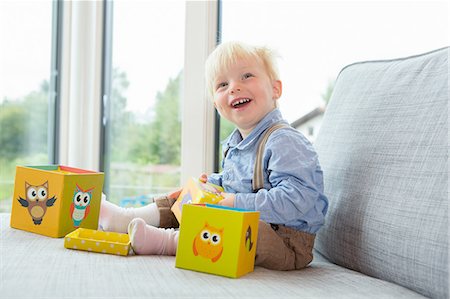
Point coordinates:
[(222, 84), (247, 75)]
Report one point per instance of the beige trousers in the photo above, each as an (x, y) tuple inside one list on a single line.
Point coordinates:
[(278, 247)]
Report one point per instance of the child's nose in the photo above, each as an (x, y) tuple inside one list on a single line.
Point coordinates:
[(235, 88)]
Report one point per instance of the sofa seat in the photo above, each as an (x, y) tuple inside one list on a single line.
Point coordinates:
[(35, 266), (383, 146)]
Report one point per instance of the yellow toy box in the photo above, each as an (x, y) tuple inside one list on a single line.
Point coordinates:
[(196, 192), (54, 200), (217, 240), (98, 241)]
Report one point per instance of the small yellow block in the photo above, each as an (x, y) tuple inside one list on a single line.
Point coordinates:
[(196, 192), (98, 241)]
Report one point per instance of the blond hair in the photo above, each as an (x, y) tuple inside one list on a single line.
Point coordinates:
[(226, 54)]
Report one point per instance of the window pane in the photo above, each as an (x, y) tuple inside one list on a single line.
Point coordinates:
[(144, 133), (25, 55), (316, 39)]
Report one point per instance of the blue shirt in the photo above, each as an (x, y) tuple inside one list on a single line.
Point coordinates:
[(293, 181)]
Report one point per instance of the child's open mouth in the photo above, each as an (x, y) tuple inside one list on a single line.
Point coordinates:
[(240, 103)]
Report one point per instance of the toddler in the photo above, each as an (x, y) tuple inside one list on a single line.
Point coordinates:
[(282, 180)]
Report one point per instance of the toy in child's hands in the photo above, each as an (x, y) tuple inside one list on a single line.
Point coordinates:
[(196, 191)]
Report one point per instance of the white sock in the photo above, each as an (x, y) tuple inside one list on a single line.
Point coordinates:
[(146, 239), (116, 219)]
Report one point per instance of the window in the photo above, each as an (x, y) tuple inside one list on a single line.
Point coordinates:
[(316, 39), (27, 106), (143, 128)]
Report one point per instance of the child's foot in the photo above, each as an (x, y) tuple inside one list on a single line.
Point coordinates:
[(116, 219), (146, 239)]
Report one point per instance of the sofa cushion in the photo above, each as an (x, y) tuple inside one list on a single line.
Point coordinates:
[(383, 146), (36, 266)]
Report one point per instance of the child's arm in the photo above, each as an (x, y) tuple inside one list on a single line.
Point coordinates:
[(214, 178), (228, 199)]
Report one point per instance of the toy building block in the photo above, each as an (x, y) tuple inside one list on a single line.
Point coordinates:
[(54, 200), (196, 192), (217, 240)]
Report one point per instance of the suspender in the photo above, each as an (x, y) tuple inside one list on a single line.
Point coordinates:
[(258, 173)]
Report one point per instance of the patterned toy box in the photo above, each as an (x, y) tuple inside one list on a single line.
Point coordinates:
[(217, 240), (98, 241), (54, 200), (196, 192)]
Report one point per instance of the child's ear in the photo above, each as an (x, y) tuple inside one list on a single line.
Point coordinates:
[(277, 89)]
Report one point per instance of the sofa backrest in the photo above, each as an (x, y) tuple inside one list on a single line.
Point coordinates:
[(383, 147)]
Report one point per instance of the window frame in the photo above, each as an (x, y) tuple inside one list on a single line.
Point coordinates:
[(201, 36), (81, 76), (106, 90), (55, 83), (199, 117), (202, 27), (53, 96)]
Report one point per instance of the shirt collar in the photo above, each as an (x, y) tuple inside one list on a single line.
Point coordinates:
[(235, 138)]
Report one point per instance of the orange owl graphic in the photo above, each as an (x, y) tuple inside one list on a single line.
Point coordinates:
[(37, 201), (208, 243)]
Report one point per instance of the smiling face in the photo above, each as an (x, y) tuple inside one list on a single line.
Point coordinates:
[(244, 93)]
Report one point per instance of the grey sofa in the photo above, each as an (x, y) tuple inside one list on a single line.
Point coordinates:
[(383, 146), (384, 149)]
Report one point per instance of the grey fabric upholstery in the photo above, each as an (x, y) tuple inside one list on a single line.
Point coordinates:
[(383, 146), (35, 266)]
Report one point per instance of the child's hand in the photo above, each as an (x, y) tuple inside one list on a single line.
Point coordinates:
[(203, 178), (174, 194), (228, 200)]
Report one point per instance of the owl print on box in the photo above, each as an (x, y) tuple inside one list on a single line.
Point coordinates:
[(208, 243), (217, 240), (79, 209), (58, 199), (36, 201)]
